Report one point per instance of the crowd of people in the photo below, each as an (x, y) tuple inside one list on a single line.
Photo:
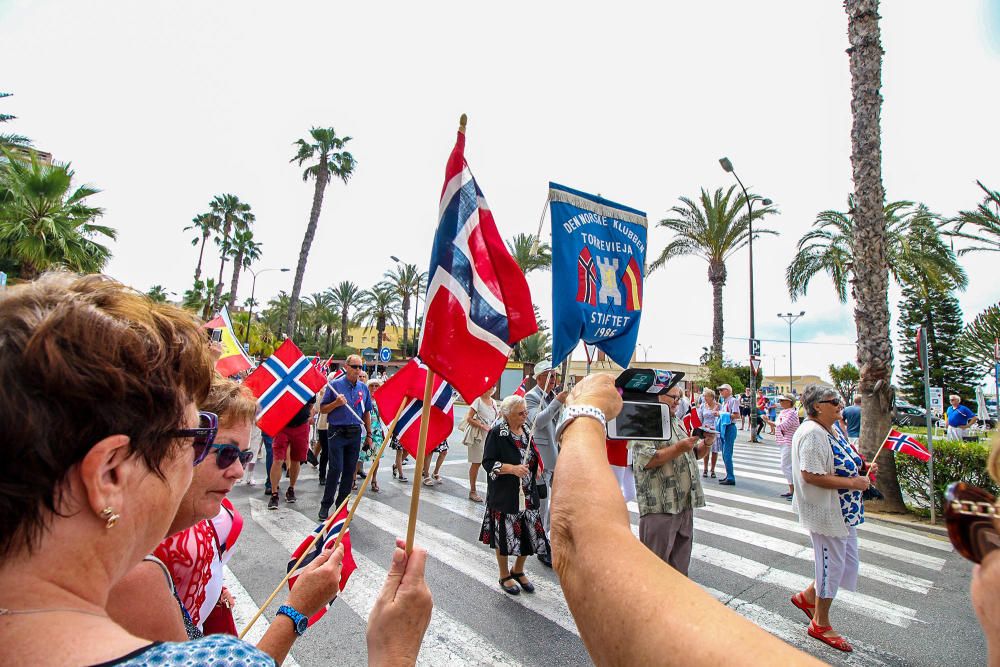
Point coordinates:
[(115, 526)]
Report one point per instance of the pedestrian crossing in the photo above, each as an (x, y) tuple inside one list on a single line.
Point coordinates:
[(749, 552)]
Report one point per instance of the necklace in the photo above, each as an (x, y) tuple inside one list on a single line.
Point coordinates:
[(13, 612)]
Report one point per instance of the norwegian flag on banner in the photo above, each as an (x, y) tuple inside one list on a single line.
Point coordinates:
[(478, 304), (325, 541), (285, 382), (907, 444), (409, 383)]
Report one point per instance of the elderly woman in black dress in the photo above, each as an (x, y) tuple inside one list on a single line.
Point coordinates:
[(512, 525)]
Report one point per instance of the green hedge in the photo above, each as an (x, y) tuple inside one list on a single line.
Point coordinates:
[(954, 461)]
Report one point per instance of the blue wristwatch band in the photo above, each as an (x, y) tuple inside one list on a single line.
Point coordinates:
[(299, 620)]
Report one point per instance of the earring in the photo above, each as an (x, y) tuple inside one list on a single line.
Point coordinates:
[(112, 518)]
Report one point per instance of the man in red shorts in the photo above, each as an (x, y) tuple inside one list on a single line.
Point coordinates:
[(293, 438)]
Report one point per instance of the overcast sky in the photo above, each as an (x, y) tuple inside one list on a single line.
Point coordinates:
[(163, 105)]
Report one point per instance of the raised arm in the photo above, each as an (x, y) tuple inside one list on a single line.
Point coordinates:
[(655, 611)]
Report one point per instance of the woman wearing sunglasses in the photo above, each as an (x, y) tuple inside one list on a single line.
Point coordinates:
[(174, 591), (827, 480)]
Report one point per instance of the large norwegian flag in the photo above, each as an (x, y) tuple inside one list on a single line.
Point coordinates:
[(478, 304), (327, 536), (907, 444), (285, 382), (409, 383)]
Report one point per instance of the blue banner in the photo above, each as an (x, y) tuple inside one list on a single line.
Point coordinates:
[(598, 261)]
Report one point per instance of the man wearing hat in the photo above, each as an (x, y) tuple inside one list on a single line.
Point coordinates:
[(544, 408), (784, 429), (730, 406)]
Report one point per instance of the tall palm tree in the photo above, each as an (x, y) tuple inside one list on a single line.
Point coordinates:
[(199, 297), (913, 247), (331, 160), (233, 214), (245, 251), (870, 267), (985, 221), (11, 140), (379, 308), (346, 296), (46, 223), (405, 280), (206, 224), (275, 315), (157, 293), (520, 249), (713, 228)]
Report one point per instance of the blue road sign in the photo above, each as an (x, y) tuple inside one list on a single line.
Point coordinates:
[(385, 354)]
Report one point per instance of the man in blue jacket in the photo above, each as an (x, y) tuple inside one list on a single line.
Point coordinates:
[(348, 405)]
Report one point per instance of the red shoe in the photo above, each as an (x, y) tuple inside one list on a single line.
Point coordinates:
[(799, 600), (819, 632)]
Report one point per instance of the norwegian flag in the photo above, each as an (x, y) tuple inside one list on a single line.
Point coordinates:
[(586, 276), (691, 420), (522, 388), (409, 383), (478, 304), (285, 382), (325, 541), (907, 444)]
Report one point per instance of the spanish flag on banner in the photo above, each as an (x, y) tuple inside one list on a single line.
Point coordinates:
[(233, 359), (632, 281)]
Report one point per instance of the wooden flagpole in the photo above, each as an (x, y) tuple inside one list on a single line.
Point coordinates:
[(331, 518), (879, 450), (281, 584), (411, 526)]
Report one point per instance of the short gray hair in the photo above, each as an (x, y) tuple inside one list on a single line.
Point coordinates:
[(816, 393), (508, 404), (708, 392)]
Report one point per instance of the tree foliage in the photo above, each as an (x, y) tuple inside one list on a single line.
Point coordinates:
[(521, 247), (980, 335), (981, 225), (845, 380)]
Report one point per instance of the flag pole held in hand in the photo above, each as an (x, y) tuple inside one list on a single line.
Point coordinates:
[(411, 525)]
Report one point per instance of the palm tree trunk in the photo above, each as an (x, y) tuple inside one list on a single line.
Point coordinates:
[(237, 268), (329, 338), (300, 270), (217, 295), (406, 323), (870, 281), (201, 255), (343, 327), (717, 276)]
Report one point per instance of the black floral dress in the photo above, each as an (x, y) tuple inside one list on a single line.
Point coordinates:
[(514, 530)]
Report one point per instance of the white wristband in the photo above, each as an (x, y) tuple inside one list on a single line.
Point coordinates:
[(575, 411)]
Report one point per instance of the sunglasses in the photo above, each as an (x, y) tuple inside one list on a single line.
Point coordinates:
[(355, 367), (970, 515), (204, 435), (227, 454), (833, 401), (522, 413)]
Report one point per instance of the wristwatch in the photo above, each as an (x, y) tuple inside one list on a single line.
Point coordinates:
[(575, 411), (299, 621)]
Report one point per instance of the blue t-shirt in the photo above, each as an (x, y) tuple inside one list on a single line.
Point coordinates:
[(959, 416), (852, 415), (358, 397)]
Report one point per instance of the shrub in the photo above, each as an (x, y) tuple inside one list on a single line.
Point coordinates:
[(954, 461)]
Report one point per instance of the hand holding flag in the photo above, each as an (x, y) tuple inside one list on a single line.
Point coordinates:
[(317, 546)]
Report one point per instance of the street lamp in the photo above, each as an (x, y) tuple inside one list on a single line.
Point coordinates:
[(253, 290), (416, 304), (791, 318), (727, 166), (645, 350)]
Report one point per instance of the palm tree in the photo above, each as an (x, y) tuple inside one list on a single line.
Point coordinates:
[(520, 249), (870, 266), (157, 293), (713, 228), (913, 248), (233, 214), (245, 250), (199, 297), (405, 280), (535, 347), (46, 223), (206, 224), (985, 220), (379, 308), (332, 160), (345, 296), (11, 140), (276, 314)]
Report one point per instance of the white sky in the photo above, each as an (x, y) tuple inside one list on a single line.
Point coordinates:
[(163, 105)]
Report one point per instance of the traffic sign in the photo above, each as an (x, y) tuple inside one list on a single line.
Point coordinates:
[(937, 400), (754, 366), (385, 354), (755, 347)]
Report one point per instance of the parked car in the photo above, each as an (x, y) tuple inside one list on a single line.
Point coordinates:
[(907, 414)]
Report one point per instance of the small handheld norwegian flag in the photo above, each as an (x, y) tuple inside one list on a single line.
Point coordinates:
[(408, 384), (325, 541), (285, 382), (907, 444)]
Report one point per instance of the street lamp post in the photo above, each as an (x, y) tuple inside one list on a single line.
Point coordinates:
[(416, 305), (253, 291), (728, 167), (645, 350), (791, 318)]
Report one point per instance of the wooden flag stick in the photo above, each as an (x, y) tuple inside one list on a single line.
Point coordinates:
[(411, 526), (879, 450), (372, 466), (281, 584)]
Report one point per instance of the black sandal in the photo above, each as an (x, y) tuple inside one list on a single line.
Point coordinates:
[(526, 587), (514, 590)]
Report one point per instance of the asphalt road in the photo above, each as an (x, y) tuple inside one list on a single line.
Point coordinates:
[(911, 608)]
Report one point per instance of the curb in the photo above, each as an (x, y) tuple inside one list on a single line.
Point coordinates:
[(908, 523)]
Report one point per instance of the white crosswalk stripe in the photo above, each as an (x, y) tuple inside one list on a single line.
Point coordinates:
[(439, 647), (243, 611)]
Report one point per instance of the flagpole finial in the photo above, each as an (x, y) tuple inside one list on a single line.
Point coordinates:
[(462, 123)]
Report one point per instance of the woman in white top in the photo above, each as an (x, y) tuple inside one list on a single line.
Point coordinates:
[(482, 413), (708, 413), (828, 486)]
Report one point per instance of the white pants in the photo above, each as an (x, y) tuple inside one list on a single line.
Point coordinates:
[(956, 433), (786, 462), (836, 563)]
